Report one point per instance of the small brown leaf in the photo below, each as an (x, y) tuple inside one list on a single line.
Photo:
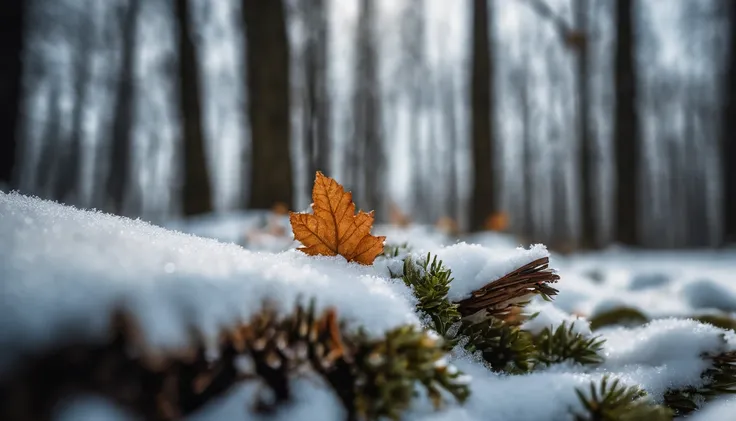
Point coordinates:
[(334, 228)]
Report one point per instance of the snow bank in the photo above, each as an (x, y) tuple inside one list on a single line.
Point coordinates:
[(473, 266), (63, 270)]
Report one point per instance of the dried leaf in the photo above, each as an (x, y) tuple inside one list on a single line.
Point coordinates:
[(497, 222), (334, 228)]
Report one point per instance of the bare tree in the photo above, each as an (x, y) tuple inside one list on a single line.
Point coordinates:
[(12, 20), (728, 136), (483, 202), (123, 111), (317, 103), (67, 176), (577, 39), (626, 126), (366, 109), (269, 96), (453, 143), (413, 72), (47, 162), (196, 192)]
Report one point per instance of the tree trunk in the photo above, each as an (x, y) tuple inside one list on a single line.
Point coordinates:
[(196, 192), (587, 216), (483, 198), (47, 162), (11, 73), (70, 166), (626, 127), (367, 109), (728, 137), (269, 94), (123, 112), (317, 104), (448, 101)]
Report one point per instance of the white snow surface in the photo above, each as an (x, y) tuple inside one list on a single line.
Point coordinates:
[(474, 266), (62, 267), (62, 271)]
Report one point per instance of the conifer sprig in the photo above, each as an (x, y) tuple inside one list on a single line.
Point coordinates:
[(719, 378), (611, 401), (564, 344), (383, 374), (430, 281), (504, 347)]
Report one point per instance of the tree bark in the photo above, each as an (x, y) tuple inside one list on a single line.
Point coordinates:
[(269, 97), (196, 192), (728, 137), (483, 195), (317, 104), (123, 112), (11, 74), (367, 109), (68, 177), (626, 127), (587, 216), (47, 162)]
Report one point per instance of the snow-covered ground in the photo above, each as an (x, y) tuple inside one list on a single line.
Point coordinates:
[(63, 271)]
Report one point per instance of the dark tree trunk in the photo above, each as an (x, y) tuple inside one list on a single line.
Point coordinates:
[(317, 104), (196, 192), (367, 109), (587, 216), (626, 127), (269, 96), (47, 162), (728, 137), (483, 202), (123, 113), (68, 176), (11, 73), (528, 228), (448, 101)]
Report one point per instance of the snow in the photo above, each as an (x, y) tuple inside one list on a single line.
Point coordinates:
[(474, 266), (63, 271), (72, 267)]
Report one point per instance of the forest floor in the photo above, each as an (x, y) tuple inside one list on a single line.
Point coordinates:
[(63, 266)]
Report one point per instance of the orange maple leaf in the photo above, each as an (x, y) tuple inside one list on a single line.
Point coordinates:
[(334, 228)]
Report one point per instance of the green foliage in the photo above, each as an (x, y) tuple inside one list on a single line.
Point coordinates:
[(610, 401), (622, 316), (382, 374), (718, 320), (504, 347), (563, 344), (720, 379), (373, 377), (395, 250), (430, 281)]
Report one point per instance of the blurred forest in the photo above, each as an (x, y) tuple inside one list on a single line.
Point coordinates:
[(577, 123)]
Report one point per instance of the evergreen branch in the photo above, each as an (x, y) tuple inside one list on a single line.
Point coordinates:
[(379, 381), (430, 281), (566, 345), (719, 379), (614, 402), (372, 377), (504, 347)]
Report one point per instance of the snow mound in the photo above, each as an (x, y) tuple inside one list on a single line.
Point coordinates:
[(64, 271), (473, 266)]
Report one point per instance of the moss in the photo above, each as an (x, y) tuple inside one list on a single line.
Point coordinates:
[(623, 316)]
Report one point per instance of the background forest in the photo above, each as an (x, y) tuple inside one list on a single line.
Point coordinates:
[(577, 123)]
